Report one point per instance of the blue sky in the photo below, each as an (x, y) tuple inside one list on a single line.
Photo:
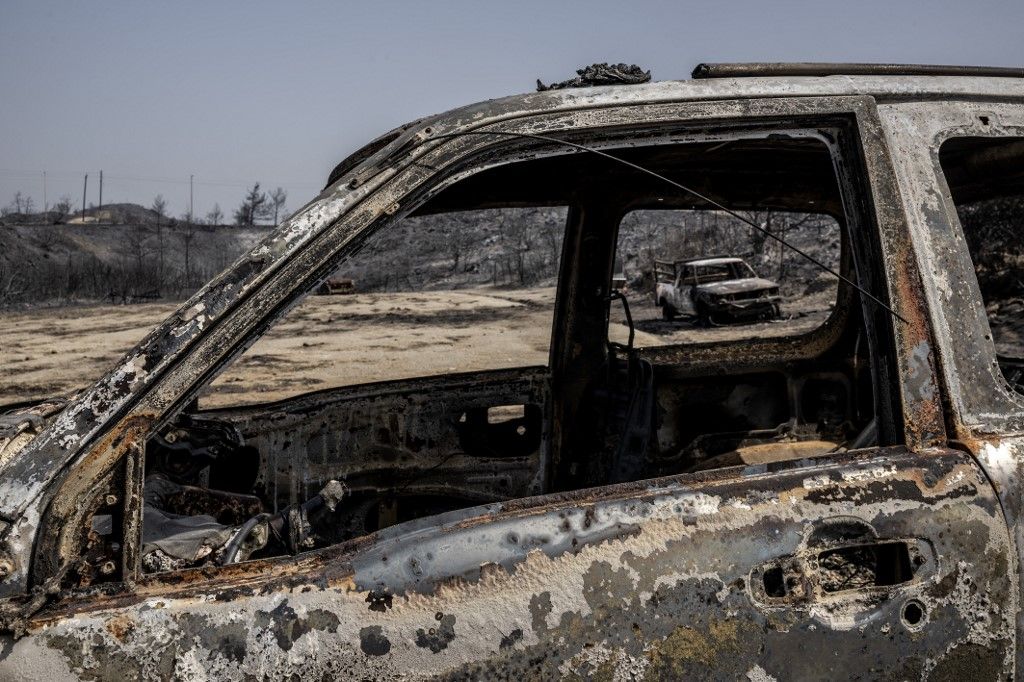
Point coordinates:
[(239, 92)]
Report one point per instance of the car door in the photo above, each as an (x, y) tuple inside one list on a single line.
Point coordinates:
[(961, 159), (858, 563), (861, 560)]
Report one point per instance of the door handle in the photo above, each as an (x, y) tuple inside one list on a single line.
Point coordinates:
[(815, 573)]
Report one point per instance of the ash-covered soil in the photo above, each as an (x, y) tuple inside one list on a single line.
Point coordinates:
[(326, 341), (330, 341)]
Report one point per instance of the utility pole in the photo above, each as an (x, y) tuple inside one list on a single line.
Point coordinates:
[(101, 190), (85, 183), (190, 233), (44, 192)]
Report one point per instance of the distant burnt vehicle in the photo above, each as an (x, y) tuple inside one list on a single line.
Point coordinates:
[(336, 285), (714, 291)]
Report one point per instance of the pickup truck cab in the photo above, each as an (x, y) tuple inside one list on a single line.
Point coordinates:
[(715, 290), (567, 494)]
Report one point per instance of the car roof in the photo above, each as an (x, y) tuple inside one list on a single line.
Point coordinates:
[(883, 87)]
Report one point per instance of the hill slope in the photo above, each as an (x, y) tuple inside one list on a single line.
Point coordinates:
[(59, 264)]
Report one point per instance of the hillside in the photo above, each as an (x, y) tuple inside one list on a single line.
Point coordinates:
[(145, 260), (109, 214), (83, 263)]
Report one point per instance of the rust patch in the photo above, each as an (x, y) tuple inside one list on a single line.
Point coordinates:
[(121, 627)]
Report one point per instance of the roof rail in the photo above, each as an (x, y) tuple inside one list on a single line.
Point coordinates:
[(754, 69)]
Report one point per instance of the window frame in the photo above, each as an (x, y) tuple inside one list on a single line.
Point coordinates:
[(421, 178), (981, 399), (857, 183)]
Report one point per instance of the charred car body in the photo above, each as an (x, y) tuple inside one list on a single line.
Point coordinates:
[(715, 289), (698, 510)]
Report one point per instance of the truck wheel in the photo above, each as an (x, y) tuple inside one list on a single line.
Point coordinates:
[(668, 313), (703, 316)]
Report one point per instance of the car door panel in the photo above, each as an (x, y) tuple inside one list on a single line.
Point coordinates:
[(791, 570)]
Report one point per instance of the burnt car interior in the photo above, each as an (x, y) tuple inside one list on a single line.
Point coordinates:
[(225, 485)]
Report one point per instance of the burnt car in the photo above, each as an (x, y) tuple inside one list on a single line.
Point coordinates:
[(336, 285), (610, 507), (713, 290)]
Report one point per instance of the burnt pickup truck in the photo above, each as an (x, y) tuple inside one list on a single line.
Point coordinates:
[(843, 501), (714, 290)]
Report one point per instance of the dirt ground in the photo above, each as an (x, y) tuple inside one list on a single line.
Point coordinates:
[(330, 341), (327, 341), (52, 351)]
